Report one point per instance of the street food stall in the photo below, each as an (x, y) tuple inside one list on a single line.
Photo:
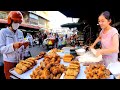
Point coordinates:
[(62, 64)]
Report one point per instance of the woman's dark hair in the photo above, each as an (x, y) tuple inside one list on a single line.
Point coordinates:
[(106, 14)]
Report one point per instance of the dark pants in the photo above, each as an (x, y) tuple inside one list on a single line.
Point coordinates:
[(2, 75), (40, 41)]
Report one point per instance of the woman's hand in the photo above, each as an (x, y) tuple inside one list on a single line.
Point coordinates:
[(26, 44), (91, 47), (98, 53), (17, 45)]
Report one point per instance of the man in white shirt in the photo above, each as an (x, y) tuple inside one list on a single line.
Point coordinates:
[(30, 38), (12, 43)]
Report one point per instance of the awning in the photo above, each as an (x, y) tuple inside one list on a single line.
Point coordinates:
[(23, 25), (71, 25), (3, 21), (30, 26)]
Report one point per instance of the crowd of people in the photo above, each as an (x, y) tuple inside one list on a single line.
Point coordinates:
[(53, 39)]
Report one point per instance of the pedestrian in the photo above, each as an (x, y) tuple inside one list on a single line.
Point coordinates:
[(12, 43), (40, 39), (45, 36), (30, 39), (56, 40), (66, 36), (109, 39)]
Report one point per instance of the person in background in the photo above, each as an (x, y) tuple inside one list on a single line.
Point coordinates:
[(12, 43), (40, 39), (45, 36), (66, 36), (60, 39), (30, 39), (109, 39), (56, 40)]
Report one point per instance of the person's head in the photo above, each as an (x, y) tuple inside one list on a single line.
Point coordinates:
[(14, 19), (104, 19), (28, 34)]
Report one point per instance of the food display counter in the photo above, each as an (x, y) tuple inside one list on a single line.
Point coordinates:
[(71, 67)]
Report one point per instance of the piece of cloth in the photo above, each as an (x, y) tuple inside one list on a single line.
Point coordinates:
[(106, 42), (7, 67)]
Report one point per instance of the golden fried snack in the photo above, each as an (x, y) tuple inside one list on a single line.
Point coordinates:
[(24, 68), (75, 62), (48, 66), (97, 71), (31, 61), (51, 76), (19, 71), (74, 66), (28, 63), (45, 74), (69, 77), (71, 72), (31, 58), (58, 76), (25, 65), (107, 72), (19, 66), (67, 57)]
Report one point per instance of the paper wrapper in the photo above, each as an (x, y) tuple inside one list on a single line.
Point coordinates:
[(89, 58)]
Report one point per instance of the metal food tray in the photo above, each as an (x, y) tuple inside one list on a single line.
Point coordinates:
[(82, 75), (26, 75)]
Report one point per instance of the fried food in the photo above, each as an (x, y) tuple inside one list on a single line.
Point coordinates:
[(97, 71), (50, 67), (19, 71), (72, 70), (40, 55), (51, 71), (25, 65), (69, 77), (68, 57)]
